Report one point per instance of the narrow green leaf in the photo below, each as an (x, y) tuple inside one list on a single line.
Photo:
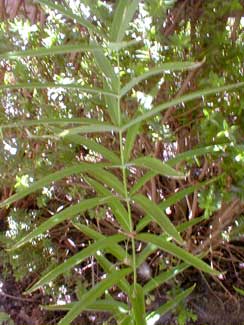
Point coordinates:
[(169, 66), (191, 154), (50, 85), (91, 144), (186, 98), (102, 305), (89, 297), (158, 166), (61, 121), (158, 215), (123, 15), (60, 217), (69, 13), (130, 140), (142, 181), (89, 129), (177, 251), (109, 179), (162, 310), (76, 259), (106, 67), (54, 50), (46, 180), (115, 250), (109, 267), (111, 82), (117, 207), (238, 290), (163, 277), (147, 251), (173, 199), (138, 304)]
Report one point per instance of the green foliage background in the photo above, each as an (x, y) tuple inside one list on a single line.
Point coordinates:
[(119, 134)]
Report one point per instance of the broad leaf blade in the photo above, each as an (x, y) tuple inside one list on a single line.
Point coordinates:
[(177, 251), (94, 293)]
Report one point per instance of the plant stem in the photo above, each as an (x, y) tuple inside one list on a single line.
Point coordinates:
[(123, 166)]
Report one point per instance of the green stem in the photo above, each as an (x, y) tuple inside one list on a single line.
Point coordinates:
[(126, 194)]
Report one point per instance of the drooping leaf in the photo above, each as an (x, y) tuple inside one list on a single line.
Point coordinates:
[(117, 207), (177, 251), (54, 50), (50, 85), (76, 259), (169, 66), (158, 166), (183, 99), (163, 277), (46, 180), (115, 250), (67, 213), (158, 215), (162, 310), (94, 293)]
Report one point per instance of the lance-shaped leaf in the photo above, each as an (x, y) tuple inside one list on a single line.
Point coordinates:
[(111, 82), (102, 305), (51, 85), (61, 121), (158, 166), (169, 66), (173, 199), (116, 250), (142, 181), (130, 140), (46, 180), (138, 304), (117, 207), (76, 259), (154, 316), (94, 293), (177, 251), (186, 98), (163, 277), (109, 267), (91, 144), (69, 13), (158, 216), (109, 179), (60, 217), (123, 15), (89, 129), (54, 50)]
